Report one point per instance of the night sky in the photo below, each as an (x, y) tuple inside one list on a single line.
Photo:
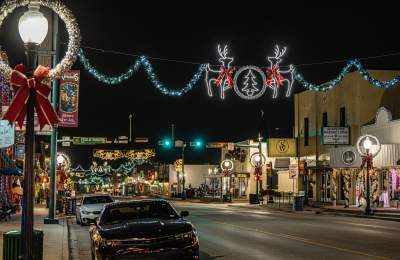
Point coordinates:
[(185, 33)]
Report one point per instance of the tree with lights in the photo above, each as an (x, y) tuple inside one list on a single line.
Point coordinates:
[(250, 87)]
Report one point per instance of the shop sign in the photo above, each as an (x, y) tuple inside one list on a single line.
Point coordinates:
[(69, 99), (335, 135), (348, 157), (282, 147), (242, 175), (293, 171), (6, 134)]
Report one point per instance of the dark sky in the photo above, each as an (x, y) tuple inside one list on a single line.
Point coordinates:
[(182, 32)]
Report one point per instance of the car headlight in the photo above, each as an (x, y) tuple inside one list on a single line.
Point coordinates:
[(186, 236)]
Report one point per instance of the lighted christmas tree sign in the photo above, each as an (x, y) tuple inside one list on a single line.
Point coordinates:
[(249, 88)]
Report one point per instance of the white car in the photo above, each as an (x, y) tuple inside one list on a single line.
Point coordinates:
[(90, 207)]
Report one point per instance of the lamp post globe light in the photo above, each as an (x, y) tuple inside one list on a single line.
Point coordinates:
[(33, 28), (368, 146)]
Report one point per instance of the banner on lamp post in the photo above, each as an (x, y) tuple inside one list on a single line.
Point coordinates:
[(69, 99)]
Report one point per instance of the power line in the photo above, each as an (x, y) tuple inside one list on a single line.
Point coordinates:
[(392, 54)]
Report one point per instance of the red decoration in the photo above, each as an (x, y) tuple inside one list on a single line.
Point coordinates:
[(22, 85), (274, 75), (367, 159), (225, 74)]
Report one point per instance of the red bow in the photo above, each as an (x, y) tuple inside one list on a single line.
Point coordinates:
[(367, 159), (274, 75), (225, 73), (22, 85)]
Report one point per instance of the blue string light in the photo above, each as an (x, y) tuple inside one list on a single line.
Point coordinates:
[(151, 75), (141, 61), (346, 69)]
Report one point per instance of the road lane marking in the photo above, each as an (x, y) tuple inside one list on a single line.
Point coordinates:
[(305, 240)]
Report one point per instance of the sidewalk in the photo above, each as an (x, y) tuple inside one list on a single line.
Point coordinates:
[(391, 214), (55, 241)]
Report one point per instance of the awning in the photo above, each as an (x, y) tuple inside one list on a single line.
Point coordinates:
[(11, 171)]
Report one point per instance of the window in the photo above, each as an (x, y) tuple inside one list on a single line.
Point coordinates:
[(342, 116), (325, 119), (306, 130)]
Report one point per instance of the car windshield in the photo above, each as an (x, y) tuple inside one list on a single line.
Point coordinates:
[(132, 212), (97, 200)]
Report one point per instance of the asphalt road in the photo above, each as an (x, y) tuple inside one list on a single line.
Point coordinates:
[(231, 232)]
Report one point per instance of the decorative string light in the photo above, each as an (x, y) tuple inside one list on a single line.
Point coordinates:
[(141, 61), (347, 69), (294, 76)]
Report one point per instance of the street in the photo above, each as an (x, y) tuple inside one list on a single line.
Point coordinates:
[(235, 232)]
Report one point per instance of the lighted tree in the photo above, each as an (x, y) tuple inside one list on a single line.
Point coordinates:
[(250, 84)]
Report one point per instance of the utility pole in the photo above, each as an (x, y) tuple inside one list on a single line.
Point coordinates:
[(130, 128), (53, 145)]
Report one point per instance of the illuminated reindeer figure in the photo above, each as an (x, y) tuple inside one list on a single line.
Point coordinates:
[(274, 75), (223, 77)]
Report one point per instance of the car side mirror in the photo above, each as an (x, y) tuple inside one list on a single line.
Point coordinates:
[(184, 213)]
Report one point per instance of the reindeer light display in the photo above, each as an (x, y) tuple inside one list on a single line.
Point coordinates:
[(275, 77), (222, 78)]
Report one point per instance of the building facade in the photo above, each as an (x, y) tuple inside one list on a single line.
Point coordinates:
[(351, 104)]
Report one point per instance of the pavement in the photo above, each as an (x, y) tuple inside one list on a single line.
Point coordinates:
[(238, 232), (55, 240)]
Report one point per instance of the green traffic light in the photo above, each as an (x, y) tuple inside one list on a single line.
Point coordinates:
[(167, 143), (198, 143)]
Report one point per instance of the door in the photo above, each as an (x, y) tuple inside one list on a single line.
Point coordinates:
[(325, 186)]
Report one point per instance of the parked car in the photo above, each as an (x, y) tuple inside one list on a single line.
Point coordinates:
[(144, 229), (90, 206)]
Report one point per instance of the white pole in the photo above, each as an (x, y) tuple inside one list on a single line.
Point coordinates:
[(130, 128)]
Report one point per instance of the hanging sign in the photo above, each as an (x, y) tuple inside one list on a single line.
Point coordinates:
[(281, 147), (69, 99), (335, 136), (6, 134)]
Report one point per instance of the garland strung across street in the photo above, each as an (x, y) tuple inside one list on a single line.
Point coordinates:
[(141, 61), (249, 82)]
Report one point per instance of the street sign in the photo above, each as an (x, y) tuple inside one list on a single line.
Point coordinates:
[(6, 134), (89, 140), (66, 144), (179, 143), (141, 140), (66, 138), (216, 145), (231, 146), (293, 171)]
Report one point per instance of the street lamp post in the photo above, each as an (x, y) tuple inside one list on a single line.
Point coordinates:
[(367, 146), (33, 28)]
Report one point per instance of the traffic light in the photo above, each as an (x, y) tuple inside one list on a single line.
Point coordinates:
[(197, 143), (167, 143)]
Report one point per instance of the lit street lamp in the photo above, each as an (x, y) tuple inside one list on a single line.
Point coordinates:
[(33, 28), (368, 146)]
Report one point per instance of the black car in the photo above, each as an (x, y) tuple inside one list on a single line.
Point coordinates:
[(143, 229)]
